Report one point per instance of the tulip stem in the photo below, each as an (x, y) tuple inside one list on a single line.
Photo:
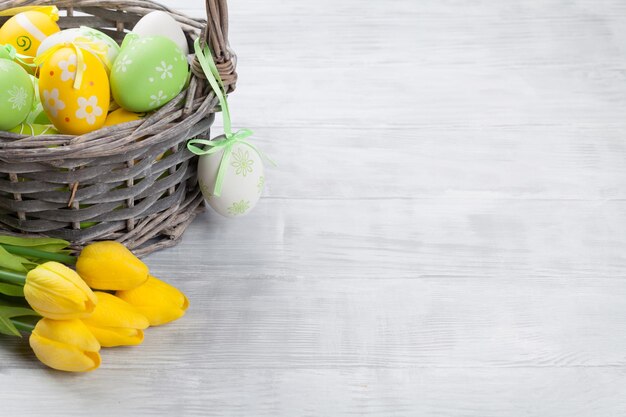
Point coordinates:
[(41, 254), (23, 326), (12, 277)]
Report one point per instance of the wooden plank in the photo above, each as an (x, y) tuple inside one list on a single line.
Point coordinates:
[(482, 238), (557, 392), (443, 235), (429, 162)]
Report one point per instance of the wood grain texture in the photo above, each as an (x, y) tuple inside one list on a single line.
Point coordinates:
[(444, 235)]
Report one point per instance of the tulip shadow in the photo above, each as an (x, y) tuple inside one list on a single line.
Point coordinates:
[(17, 352)]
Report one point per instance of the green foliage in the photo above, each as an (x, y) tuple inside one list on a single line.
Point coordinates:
[(41, 243), (11, 290), (7, 313)]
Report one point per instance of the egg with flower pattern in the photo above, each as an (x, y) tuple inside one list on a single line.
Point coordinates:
[(103, 46), (16, 94), (74, 109), (148, 73), (242, 182)]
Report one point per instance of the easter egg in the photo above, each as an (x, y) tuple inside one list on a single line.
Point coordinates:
[(29, 129), (26, 30), (16, 94), (92, 40), (148, 73), (163, 24), (74, 111), (243, 180), (122, 116)]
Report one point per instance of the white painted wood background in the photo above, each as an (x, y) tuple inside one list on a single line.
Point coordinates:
[(444, 236)]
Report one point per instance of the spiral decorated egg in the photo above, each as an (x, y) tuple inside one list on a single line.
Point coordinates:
[(163, 24), (242, 184), (148, 73), (101, 45), (26, 30), (16, 94), (74, 111), (29, 129)]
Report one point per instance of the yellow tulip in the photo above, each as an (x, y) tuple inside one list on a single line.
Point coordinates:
[(114, 322), (66, 345), (111, 266), (58, 292), (157, 300)]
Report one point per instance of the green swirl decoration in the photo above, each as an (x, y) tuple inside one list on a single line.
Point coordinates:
[(24, 42)]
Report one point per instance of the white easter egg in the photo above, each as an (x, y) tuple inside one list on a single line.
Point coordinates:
[(243, 180), (162, 24)]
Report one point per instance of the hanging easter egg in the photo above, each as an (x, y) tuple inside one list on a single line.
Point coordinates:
[(31, 129), (16, 94), (74, 109), (92, 40), (148, 73), (163, 24), (122, 116), (242, 182), (26, 30)]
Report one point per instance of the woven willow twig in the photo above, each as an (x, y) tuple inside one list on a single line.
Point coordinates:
[(109, 184)]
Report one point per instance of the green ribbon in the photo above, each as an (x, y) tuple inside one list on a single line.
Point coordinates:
[(9, 52), (225, 142)]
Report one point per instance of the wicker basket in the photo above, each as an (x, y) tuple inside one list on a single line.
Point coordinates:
[(108, 184)]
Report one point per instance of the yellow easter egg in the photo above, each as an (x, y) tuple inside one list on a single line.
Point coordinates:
[(122, 116), (74, 111), (26, 30)]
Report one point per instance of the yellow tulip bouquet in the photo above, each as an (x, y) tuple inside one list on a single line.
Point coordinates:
[(108, 300)]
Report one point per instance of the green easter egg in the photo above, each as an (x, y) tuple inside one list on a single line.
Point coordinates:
[(16, 94), (29, 129), (148, 73)]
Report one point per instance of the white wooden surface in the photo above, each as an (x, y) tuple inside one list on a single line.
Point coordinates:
[(445, 235)]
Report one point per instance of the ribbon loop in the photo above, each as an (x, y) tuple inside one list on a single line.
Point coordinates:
[(89, 46), (225, 142)]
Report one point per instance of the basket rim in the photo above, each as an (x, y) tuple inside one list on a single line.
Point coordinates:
[(193, 103)]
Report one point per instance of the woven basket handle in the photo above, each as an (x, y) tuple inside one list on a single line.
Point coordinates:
[(216, 35)]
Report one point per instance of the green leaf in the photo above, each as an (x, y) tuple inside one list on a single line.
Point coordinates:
[(7, 327), (42, 243), (12, 262), (12, 290), (6, 313)]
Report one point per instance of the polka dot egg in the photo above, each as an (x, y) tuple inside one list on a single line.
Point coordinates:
[(87, 38), (74, 111), (148, 73)]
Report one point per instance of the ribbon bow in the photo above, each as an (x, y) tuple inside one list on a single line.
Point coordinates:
[(9, 52), (225, 142), (89, 46)]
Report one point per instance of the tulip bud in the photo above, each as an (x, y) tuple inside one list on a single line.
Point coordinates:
[(58, 292), (114, 322), (66, 345), (111, 266), (157, 300)]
